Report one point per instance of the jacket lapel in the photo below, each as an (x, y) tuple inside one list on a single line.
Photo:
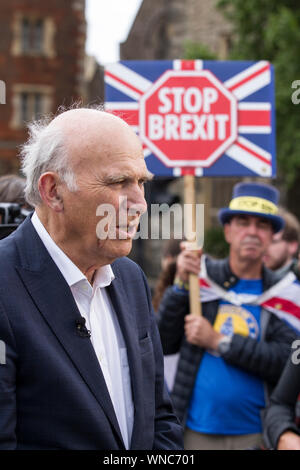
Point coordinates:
[(128, 327), (55, 301)]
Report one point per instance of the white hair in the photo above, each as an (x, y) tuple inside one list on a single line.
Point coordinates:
[(44, 151)]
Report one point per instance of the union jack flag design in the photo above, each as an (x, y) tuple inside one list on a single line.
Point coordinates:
[(282, 299), (252, 84)]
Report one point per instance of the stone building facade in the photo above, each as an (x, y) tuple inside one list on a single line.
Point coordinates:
[(162, 27), (42, 52)]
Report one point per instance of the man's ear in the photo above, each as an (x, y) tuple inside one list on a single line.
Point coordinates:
[(50, 191)]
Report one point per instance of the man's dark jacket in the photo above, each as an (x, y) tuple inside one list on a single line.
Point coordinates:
[(265, 358), (280, 415), (52, 391)]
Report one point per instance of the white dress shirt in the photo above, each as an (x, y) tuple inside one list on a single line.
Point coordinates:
[(101, 319)]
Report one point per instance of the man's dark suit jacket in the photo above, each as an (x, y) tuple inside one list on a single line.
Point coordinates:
[(52, 390)]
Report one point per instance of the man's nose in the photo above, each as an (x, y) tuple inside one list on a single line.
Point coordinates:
[(137, 201), (252, 228)]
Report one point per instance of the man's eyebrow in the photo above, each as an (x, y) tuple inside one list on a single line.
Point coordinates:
[(110, 179)]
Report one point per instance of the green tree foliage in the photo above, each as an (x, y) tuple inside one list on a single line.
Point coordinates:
[(270, 30), (214, 243), (195, 50)]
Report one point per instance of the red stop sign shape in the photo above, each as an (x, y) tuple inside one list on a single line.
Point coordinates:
[(188, 118)]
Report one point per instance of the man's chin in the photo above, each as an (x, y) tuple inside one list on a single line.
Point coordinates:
[(110, 250), (121, 247), (269, 265), (126, 246), (251, 255)]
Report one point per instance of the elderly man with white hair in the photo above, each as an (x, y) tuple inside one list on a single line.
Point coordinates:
[(83, 366)]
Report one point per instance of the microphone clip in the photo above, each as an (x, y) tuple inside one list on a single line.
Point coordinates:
[(81, 329)]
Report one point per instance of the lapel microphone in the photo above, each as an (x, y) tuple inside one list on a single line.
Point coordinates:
[(82, 329)]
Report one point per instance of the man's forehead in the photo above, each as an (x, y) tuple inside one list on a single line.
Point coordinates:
[(254, 218), (88, 131)]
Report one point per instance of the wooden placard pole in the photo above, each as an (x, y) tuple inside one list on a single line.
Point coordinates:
[(189, 198)]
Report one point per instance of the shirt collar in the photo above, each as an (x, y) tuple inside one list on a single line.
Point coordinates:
[(69, 270)]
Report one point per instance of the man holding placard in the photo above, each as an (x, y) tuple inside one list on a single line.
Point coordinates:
[(233, 354)]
